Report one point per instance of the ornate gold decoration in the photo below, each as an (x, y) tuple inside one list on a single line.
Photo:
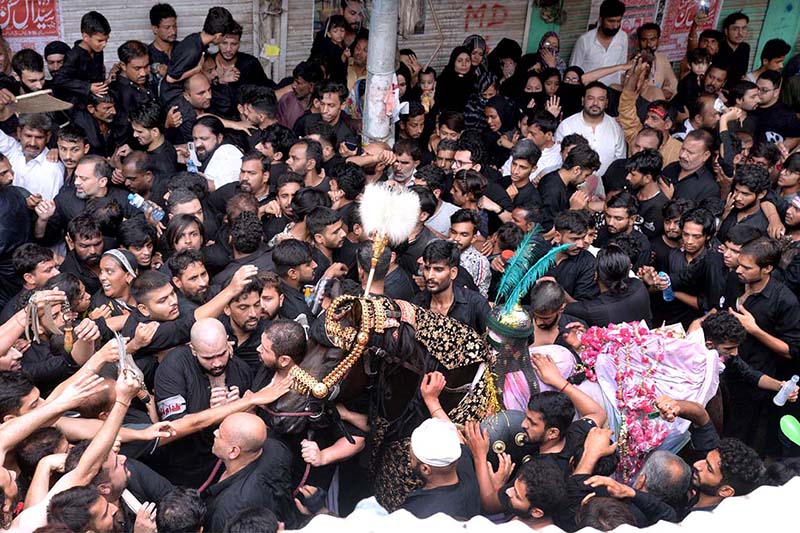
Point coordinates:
[(498, 447), (519, 439)]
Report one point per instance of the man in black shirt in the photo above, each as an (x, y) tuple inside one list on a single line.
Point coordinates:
[(236, 68), (550, 324), (139, 179), (770, 314), (254, 178), (305, 158), (164, 21), (279, 210), (147, 123), (132, 86), (620, 216), (256, 472), (734, 51), (447, 472), (750, 185), (326, 229), (689, 177), (190, 278), (294, 264), (559, 188), (615, 178), (34, 265), (524, 158), (574, 268), (86, 246), (644, 168), (334, 99), (776, 121), (194, 100), (439, 269), (191, 379), (248, 247), (99, 120)]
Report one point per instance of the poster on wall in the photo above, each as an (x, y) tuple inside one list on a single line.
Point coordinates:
[(678, 17), (637, 12), (30, 23)]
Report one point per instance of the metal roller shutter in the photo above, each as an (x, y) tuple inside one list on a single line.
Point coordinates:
[(129, 20), (458, 18)]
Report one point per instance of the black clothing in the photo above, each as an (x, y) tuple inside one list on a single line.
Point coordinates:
[(183, 133), (706, 278), (629, 305), (128, 96), (696, 186), (16, 228), (398, 285), (528, 196), (673, 311), (102, 144), (615, 177), (341, 131), (652, 223), (73, 81), (262, 258), (555, 198), (185, 56), (461, 501), (46, 368), (159, 57), (75, 266), (776, 123), (757, 220), (183, 387), (218, 200), (468, 307), (575, 274), (248, 350), (250, 72), (604, 238), (294, 303), (409, 252), (737, 60), (263, 483)]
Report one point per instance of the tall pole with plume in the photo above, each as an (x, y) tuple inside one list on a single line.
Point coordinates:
[(378, 124)]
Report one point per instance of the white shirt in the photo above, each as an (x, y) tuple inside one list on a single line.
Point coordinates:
[(39, 176), (607, 138), (440, 221), (589, 54), (224, 166), (681, 135)]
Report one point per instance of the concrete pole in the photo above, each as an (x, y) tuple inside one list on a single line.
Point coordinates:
[(380, 69)]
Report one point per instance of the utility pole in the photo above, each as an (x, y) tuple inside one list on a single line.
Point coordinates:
[(380, 71)]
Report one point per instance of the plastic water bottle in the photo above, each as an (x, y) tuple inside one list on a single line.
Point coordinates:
[(137, 201), (783, 394), (191, 166), (667, 293)]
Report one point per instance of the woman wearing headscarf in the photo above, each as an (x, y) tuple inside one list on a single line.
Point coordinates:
[(571, 90), (501, 116), (504, 58), (478, 53), (485, 88), (456, 82), (548, 51)]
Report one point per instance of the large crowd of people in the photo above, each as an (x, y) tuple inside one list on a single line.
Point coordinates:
[(169, 246)]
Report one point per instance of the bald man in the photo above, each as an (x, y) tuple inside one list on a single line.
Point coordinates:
[(194, 101), (256, 473), (191, 379)]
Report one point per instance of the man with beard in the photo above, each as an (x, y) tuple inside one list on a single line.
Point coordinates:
[(236, 68), (243, 324), (191, 379), (15, 228), (294, 264), (621, 212), (661, 73), (689, 177), (147, 123), (294, 103), (701, 115), (769, 312), (697, 230), (72, 146), (220, 162), (326, 229), (99, 122), (332, 103), (734, 51), (353, 12), (305, 158), (446, 470), (644, 168), (280, 209), (604, 134), (193, 102), (271, 295), (615, 177), (550, 324), (440, 262), (254, 178), (715, 79), (91, 183), (138, 175), (750, 185), (574, 267), (85, 244), (190, 277), (28, 68), (131, 88), (605, 45), (164, 21), (28, 157)]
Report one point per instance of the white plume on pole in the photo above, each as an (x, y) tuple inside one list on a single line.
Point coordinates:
[(389, 212)]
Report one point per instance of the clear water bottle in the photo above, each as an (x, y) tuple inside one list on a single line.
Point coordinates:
[(191, 167), (783, 394), (667, 293), (137, 201)]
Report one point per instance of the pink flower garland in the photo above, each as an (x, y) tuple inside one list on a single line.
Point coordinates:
[(636, 392)]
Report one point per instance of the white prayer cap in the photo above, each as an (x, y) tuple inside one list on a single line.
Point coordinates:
[(435, 442)]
